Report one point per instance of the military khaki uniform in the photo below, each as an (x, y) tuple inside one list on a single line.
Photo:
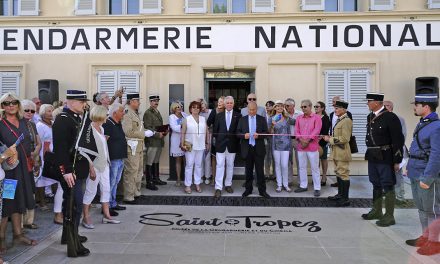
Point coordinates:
[(152, 118), (339, 142), (133, 165)]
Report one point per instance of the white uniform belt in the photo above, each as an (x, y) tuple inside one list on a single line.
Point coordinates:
[(141, 139)]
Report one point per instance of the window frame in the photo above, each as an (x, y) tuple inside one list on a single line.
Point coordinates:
[(21, 12), (433, 5), (118, 78), (229, 7), (13, 74), (341, 6)]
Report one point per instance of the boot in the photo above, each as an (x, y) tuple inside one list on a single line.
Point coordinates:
[(388, 217), (156, 178), (376, 211), (339, 195), (344, 201), (149, 179)]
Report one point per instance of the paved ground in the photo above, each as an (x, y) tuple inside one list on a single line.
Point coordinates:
[(197, 234)]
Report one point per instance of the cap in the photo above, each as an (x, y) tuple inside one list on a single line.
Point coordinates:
[(375, 97), (76, 95), (279, 102), (154, 97), (132, 96), (342, 104)]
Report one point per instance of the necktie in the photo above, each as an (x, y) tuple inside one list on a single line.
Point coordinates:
[(228, 119), (252, 131)]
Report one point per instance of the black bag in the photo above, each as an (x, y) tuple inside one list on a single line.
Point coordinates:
[(50, 168), (353, 145)]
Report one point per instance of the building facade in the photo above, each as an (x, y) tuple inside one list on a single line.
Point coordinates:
[(187, 49)]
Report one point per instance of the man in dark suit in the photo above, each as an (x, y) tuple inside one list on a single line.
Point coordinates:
[(253, 149), (226, 144)]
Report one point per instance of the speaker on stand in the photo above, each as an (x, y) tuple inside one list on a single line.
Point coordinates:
[(48, 91)]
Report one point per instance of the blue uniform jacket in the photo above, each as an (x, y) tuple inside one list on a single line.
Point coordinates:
[(429, 138)]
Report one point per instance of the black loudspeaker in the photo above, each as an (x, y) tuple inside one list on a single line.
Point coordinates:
[(427, 85), (48, 91)]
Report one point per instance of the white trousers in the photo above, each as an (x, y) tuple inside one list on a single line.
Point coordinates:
[(313, 158), (194, 161), (58, 199), (220, 170), (103, 179), (281, 160), (207, 163)]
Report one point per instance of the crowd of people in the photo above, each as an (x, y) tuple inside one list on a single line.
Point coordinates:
[(110, 142)]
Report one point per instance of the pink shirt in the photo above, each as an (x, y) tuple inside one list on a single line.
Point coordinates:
[(310, 127)]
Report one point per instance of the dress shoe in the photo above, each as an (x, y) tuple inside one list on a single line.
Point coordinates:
[(246, 193), (335, 197), (324, 183), (300, 190), (317, 193), (334, 184), (119, 207), (229, 189), (265, 195), (131, 202), (88, 226), (417, 242), (373, 214), (429, 248), (110, 221), (83, 252), (217, 194), (158, 181)]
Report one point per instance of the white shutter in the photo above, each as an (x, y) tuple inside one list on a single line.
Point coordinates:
[(85, 7), (313, 5), (150, 6), (262, 6), (28, 7), (381, 5), (335, 85), (129, 80), (433, 4), (195, 6), (10, 83), (107, 82), (358, 86)]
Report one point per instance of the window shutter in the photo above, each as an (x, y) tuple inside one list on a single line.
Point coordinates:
[(335, 85), (433, 4), (262, 6), (129, 80), (312, 5), (10, 83), (85, 7), (107, 82), (381, 5), (195, 6), (358, 86), (28, 7), (150, 6)]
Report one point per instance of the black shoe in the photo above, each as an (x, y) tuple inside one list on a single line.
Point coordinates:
[(324, 183), (151, 186), (246, 193), (265, 195), (334, 184), (372, 215), (82, 239), (418, 242), (217, 194), (83, 252), (335, 197), (159, 182), (119, 208), (131, 202)]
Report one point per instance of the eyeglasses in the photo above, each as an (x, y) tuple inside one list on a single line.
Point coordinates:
[(195, 107), (8, 103), (304, 106), (29, 110), (252, 99), (317, 106)]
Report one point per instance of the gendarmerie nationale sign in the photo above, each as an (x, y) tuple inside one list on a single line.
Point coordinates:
[(222, 38)]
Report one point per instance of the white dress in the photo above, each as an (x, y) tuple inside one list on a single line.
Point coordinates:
[(45, 133), (176, 128)]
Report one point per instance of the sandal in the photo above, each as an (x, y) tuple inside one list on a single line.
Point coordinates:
[(188, 190), (30, 226), (3, 246), (178, 183), (198, 189), (24, 240)]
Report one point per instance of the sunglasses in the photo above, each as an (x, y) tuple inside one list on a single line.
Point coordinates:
[(8, 103), (195, 107), (29, 110), (304, 106), (317, 106), (252, 99)]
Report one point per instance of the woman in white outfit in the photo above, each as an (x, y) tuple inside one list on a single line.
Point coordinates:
[(193, 142), (99, 171), (206, 164), (175, 120), (44, 128)]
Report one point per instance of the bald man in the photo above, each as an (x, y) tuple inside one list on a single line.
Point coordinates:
[(250, 129), (252, 98)]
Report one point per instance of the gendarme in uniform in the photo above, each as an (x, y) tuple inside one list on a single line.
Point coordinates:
[(423, 170), (384, 140)]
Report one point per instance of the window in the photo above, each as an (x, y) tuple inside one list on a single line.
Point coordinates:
[(340, 5), (123, 7), (110, 81), (10, 82), (229, 6), (381, 5), (85, 7), (433, 4), (351, 86), (19, 7)]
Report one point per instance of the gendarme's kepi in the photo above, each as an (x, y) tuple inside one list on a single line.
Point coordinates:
[(76, 95), (375, 97)]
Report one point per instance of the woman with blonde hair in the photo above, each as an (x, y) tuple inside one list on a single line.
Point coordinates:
[(210, 122), (281, 144), (12, 127), (99, 170), (175, 120)]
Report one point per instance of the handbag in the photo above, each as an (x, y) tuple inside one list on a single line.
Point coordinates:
[(50, 168), (353, 145)]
